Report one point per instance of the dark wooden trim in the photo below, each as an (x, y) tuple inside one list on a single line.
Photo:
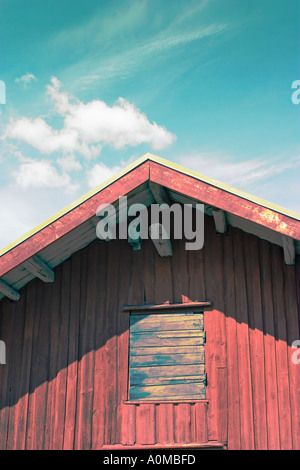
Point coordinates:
[(163, 402), (158, 307), (175, 445)]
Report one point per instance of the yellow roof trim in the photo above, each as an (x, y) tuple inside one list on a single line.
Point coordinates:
[(72, 206), (127, 169), (225, 187)]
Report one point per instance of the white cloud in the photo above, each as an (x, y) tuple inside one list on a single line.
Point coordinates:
[(38, 134), (87, 127), (25, 208), (42, 174), (99, 173), (26, 79), (69, 163)]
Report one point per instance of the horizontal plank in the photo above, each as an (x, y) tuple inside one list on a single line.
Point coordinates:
[(153, 360), (167, 392), (189, 305), (165, 350), (141, 323), (170, 317), (138, 380), (169, 338), (167, 371), (209, 445)]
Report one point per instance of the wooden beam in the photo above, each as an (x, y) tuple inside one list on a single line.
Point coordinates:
[(213, 195), (36, 266), (206, 445), (220, 220), (135, 243), (159, 193), (184, 305), (74, 217), (95, 220), (288, 246), (161, 240), (8, 291)]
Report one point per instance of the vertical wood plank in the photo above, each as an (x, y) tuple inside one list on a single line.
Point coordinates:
[(245, 384), (291, 285), (39, 370), (256, 328), (214, 322), (112, 306), (54, 292), (61, 378), (145, 413), (7, 371), (13, 365), (234, 435), (128, 417), (123, 346), (195, 260), (269, 348), (222, 405), (100, 336), (145, 424), (86, 345), (72, 368), (282, 369), (81, 433), (182, 422), (163, 292), (201, 431)]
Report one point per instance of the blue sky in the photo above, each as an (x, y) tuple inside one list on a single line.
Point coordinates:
[(94, 85)]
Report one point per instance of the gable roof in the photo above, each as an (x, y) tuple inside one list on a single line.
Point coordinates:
[(73, 228)]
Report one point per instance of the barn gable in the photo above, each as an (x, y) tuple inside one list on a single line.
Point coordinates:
[(147, 181), (84, 369)]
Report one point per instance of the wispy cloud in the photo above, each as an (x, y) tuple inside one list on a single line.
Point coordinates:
[(26, 79), (242, 173), (126, 63)]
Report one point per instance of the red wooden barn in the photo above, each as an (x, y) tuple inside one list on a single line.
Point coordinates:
[(116, 344)]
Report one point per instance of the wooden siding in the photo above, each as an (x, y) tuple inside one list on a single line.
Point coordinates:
[(166, 352), (65, 382)]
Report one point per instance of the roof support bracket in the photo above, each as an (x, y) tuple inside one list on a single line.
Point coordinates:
[(159, 193), (220, 220), (36, 266), (160, 240), (8, 291), (288, 246)]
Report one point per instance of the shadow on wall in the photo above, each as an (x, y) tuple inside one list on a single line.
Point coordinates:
[(77, 323)]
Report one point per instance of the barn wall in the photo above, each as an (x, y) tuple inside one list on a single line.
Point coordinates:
[(65, 380)]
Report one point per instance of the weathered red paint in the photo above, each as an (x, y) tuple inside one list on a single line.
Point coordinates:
[(73, 219), (217, 197), (65, 382), (160, 174)]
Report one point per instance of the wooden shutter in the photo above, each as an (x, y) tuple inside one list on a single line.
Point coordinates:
[(166, 360)]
